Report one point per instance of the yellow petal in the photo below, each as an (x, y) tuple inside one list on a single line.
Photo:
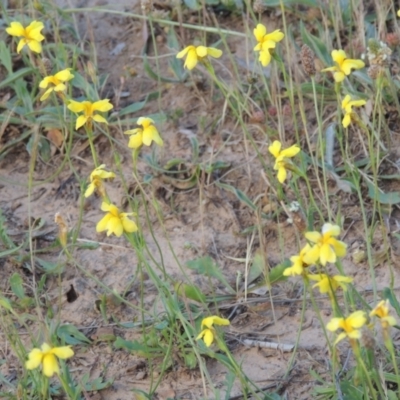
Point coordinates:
[(128, 225), (15, 29), (75, 106), (346, 120), (339, 76), (290, 152), (144, 122), (267, 45), (398, 13), (103, 223), (326, 254), (80, 121), (220, 321), (34, 359), (102, 105), (313, 237), (46, 94), (339, 338), (329, 69), (338, 56), (191, 59), (35, 46), (149, 134), (21, 44), (183, 52), (33, 30), (215, 53), (339, 247), (63, 352), (358, 103), (334, 324), (115, 226), (201, 51), (208, 337), (348, 65), (357, 319), (275, 36), (201, 334), (50, 366), (312, 255), (64, 75), (89, 191), (345, 102), (264, 58), (60, 87), (107, 207), (282, 174), (332, 230), (99, 118), (259, 32), (135, 141), (275, 148)]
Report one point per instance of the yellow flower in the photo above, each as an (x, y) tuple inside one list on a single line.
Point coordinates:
[(144, 135), (196, 54), (326, 247), (47, 357), (280, 158), (208, 334), (343, 65), (347, 105), (88, 110), (96, 178), (398, 13), (350, 325), (31, 35), (382, 311), (298, 263), (57, 82), (266, 42), (114, 221), (329, 284)]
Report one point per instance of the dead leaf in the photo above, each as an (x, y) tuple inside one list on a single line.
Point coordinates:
[(55, 136)]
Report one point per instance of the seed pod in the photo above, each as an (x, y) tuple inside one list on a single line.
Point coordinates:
[(307, 59)]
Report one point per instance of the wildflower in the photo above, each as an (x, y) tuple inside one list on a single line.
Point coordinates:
[(329, 284), (382, 311), (88, 110), (351, 325), (96, 177), (298, 264), (280, 158), (343, 65), (144, 135), (208, 334), (266, 42), (31, 35), (114, 221), (47, 357), (398, 13), (326, 247), (196, 54), (347, 105), (57, 81)]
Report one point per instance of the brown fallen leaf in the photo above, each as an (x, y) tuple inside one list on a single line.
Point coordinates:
[(55, 136)]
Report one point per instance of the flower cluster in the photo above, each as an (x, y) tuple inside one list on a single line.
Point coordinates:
[(281, 158)]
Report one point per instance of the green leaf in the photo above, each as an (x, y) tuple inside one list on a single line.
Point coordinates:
[(15, 76), (135, 107), (154, 75), (206, 266), (191, 292), (238, 193), (193, 4), (133, 346), (380, 196), (16, 285), (5, 303), (96, 384), (5, 57), (71, 335)]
